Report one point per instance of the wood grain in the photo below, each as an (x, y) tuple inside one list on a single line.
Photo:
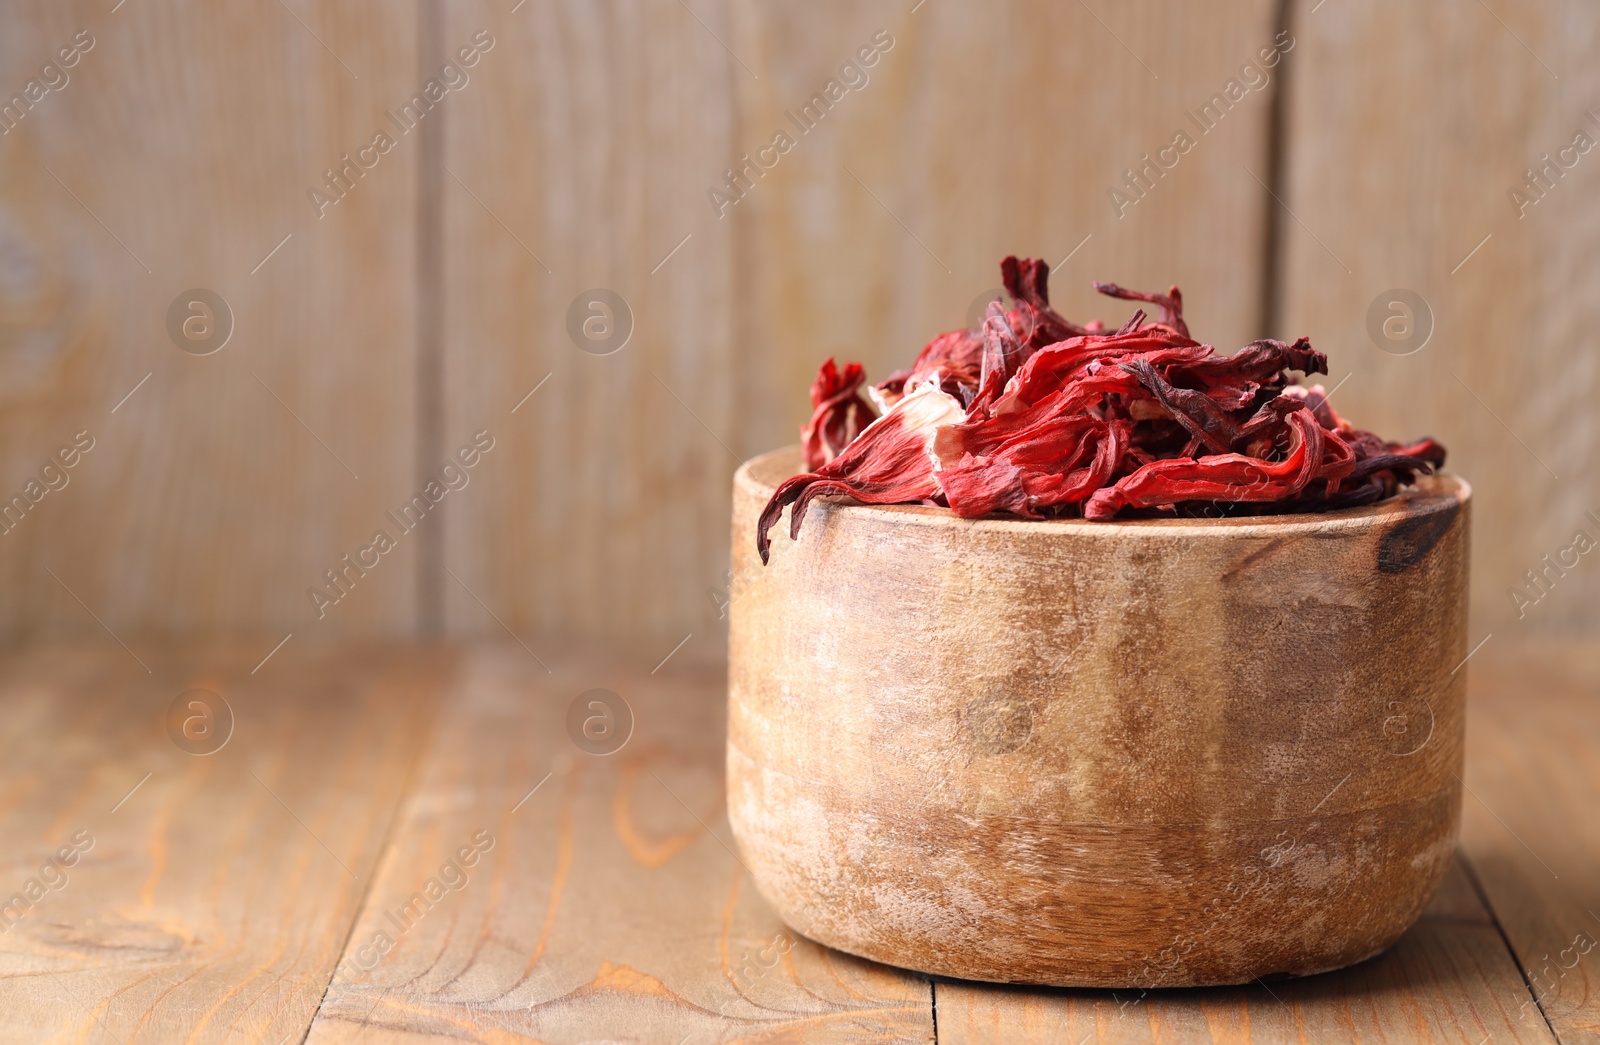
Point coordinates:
[(216, 891), (579, 155), (1531, 764), (879, 228), (178, 155), (1401, 162), (611, 904), (1448, 979), (577, 161), (989, 129), (1018, 782)]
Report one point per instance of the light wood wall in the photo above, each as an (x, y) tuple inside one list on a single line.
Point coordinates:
[(427, 304), (178, 156), (1409, 127)]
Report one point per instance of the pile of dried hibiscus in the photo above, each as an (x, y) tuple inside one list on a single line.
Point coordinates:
[(1036, 416)]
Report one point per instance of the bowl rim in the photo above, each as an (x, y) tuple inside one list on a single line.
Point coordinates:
[(1431, 494)]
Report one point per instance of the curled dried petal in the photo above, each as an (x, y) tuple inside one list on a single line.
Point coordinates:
[(1027, 281), (1221, 477), (1061, 464), (888, 463), (1170, 303), (1236, 381), (838, 413)]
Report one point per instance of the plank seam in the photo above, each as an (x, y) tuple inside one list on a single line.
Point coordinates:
[(430, 325), (422, 748), (1494, 919), (933, 1001), (1270, 310)]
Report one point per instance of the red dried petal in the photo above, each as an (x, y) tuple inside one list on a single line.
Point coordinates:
[(1220, 477), (954, 356), (1050, 369), (1003, 353), (1032, 415), (1051, 466), (1236, 380), (838, 413), (888, 463), (1027, 281), (1170, 303)]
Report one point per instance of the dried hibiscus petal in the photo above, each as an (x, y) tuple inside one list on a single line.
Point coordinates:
[(1238, 380), (887, 464), (1220, 477), (838, 412), (1027, 281), (955, 358), (1043, 466), (1033, 415), (1060, 365), (1170, 303), (1202, 416), (1003, 353)]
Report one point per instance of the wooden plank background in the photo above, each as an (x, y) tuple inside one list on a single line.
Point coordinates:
[(1402, 159), (879, 228), (177, 156), (577, 154)]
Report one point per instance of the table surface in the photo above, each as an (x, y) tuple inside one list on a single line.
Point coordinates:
[(298, 883)]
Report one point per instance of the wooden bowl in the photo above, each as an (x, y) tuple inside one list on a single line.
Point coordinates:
[(1128, 754)]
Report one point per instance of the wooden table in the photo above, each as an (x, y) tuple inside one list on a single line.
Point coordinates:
[(280, 886)]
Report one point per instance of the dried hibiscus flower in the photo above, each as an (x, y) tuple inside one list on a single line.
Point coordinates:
[(887, 464), (838, 413), (1032, 415)]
